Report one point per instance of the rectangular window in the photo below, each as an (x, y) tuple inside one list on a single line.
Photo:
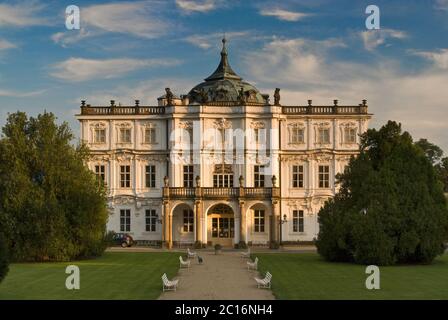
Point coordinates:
[(297, 221), (256, 136), (323, 135), (125, 220), (324, 176), (151, 220), (297, 135), (214, 227), (350, 135), (188, 221), (188, 176), (150, 174), (297, 176), (125, 135), (150, 135), (125, 176), (259, 176), (100, 172), (100, 136), (222, 180), (259, 220)]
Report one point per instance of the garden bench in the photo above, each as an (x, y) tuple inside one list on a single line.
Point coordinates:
[(252, 265), (169, 285), (191, 254), (266, 282), (245, 254), (184, 264)]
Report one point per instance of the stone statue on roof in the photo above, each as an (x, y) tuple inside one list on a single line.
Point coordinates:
[(277, 97)]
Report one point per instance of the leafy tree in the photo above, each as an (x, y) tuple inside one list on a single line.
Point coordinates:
[(442, 171), (3, 258), (51, 205), (390, 207), (433, 153), (435, 156)]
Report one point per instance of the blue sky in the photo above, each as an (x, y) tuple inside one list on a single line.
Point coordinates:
[(318, 50)]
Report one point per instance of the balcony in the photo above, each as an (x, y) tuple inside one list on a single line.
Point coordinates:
[(220, 193)]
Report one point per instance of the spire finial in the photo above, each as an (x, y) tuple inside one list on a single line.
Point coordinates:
[(224, 40)]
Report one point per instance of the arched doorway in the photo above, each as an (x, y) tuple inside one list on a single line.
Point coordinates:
[(183, 224), (221, 225)]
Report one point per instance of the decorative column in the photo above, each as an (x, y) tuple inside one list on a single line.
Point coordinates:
[(275, 216), (197, 220), (242, 221), (197, 211), (242, 234), (170, 231), (166, 235)]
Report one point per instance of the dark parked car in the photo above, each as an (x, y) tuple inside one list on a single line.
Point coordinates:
[(123, 239)]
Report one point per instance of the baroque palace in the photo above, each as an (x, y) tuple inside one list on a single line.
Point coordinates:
[(221, 164)]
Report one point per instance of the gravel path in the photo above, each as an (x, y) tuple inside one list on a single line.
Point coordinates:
[(220, 277)]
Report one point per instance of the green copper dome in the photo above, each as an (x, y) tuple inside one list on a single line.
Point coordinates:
[(224, 85)]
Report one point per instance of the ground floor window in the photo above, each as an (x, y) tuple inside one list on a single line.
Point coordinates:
[(297, 221), (151, 220), (125, 220), (223, 228), (259, 220), (188, 220)]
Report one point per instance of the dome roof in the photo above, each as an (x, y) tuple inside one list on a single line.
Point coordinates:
[(224, 85)]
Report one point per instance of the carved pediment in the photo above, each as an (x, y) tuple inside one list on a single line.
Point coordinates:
[(222, 124)]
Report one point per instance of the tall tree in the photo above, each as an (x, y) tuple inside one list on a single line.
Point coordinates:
[(390, 207), (435, 155), (4, 261), (51, 205)]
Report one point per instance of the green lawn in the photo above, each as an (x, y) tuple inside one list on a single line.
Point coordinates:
[(117, 275), (307, 276)]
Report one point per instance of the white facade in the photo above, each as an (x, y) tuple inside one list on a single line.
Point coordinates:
[(223, 200)]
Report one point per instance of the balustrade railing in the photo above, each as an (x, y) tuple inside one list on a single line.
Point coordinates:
[(121, 110), (208, 192)]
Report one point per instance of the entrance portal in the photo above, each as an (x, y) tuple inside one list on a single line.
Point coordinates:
[(221, 225)]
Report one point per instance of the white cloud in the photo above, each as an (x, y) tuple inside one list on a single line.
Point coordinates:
[(441, 5), (284, 15), (17, 94), (147, 92), (141, 19), (79, 69), (211, 40), (438, 58), (305, 69), (196, 5), (374, 38), (5, 45), (22, 14)]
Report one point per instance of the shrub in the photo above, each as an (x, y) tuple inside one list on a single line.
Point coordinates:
[(274, 245)]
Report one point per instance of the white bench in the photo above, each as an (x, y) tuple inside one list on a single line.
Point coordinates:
[(252, 265), (169, 285), (184, 264), (191, 254), (266, 282), (245, 254)]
